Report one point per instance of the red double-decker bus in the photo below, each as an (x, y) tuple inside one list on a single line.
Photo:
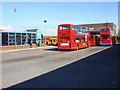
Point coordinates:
[(73, 37), (107, 36)]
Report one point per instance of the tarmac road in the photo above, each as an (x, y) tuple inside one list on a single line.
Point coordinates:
[(94, 67)]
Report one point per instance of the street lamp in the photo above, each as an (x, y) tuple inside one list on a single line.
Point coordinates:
[(107, 24), (15, 10), (45, 21)]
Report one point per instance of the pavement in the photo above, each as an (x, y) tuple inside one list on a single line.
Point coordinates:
[(98, 70), (12, 50)]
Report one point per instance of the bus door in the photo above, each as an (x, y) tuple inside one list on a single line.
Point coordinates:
[(93, 39), (97, 40)]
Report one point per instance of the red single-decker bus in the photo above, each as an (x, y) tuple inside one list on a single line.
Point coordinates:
[(73, 37)]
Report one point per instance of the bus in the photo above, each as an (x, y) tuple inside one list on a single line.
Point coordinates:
[(46, 40), (93, 40), (73, 37), (107, 36), (53, 41)]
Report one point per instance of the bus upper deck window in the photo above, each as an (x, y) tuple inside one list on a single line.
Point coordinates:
[(83, 29), (76, 28), (73, 28), (87, 29), (80, 29), (64, 27), (104, 30)]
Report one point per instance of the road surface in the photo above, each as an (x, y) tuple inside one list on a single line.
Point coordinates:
[(94, 67)]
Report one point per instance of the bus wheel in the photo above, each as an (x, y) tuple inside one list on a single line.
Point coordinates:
[(77, 47)]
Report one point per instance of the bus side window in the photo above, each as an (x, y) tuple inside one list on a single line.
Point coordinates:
[(73, 28), (88, 29), (76, 28), (82, 40), (83, 29), (77, 40)]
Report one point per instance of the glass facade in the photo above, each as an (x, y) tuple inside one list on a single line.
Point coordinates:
[(20, 38)]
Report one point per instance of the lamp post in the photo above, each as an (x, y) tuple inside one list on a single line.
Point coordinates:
[(15, 10), (45, 21), (107, 24)]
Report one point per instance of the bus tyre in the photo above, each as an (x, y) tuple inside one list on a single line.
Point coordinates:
[(77, 47)]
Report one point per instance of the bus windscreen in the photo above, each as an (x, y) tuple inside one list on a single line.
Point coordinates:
[(105, 36)]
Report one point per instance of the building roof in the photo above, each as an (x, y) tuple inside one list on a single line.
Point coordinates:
[(100, 25), (15, 32), (1, 29)]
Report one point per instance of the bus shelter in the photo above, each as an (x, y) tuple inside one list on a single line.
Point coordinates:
[(9, 38)]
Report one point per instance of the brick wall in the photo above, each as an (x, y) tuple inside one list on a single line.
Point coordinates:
[(17, 47)]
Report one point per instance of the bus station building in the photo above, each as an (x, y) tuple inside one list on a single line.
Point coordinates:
[(10, 39), (95, 28)]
